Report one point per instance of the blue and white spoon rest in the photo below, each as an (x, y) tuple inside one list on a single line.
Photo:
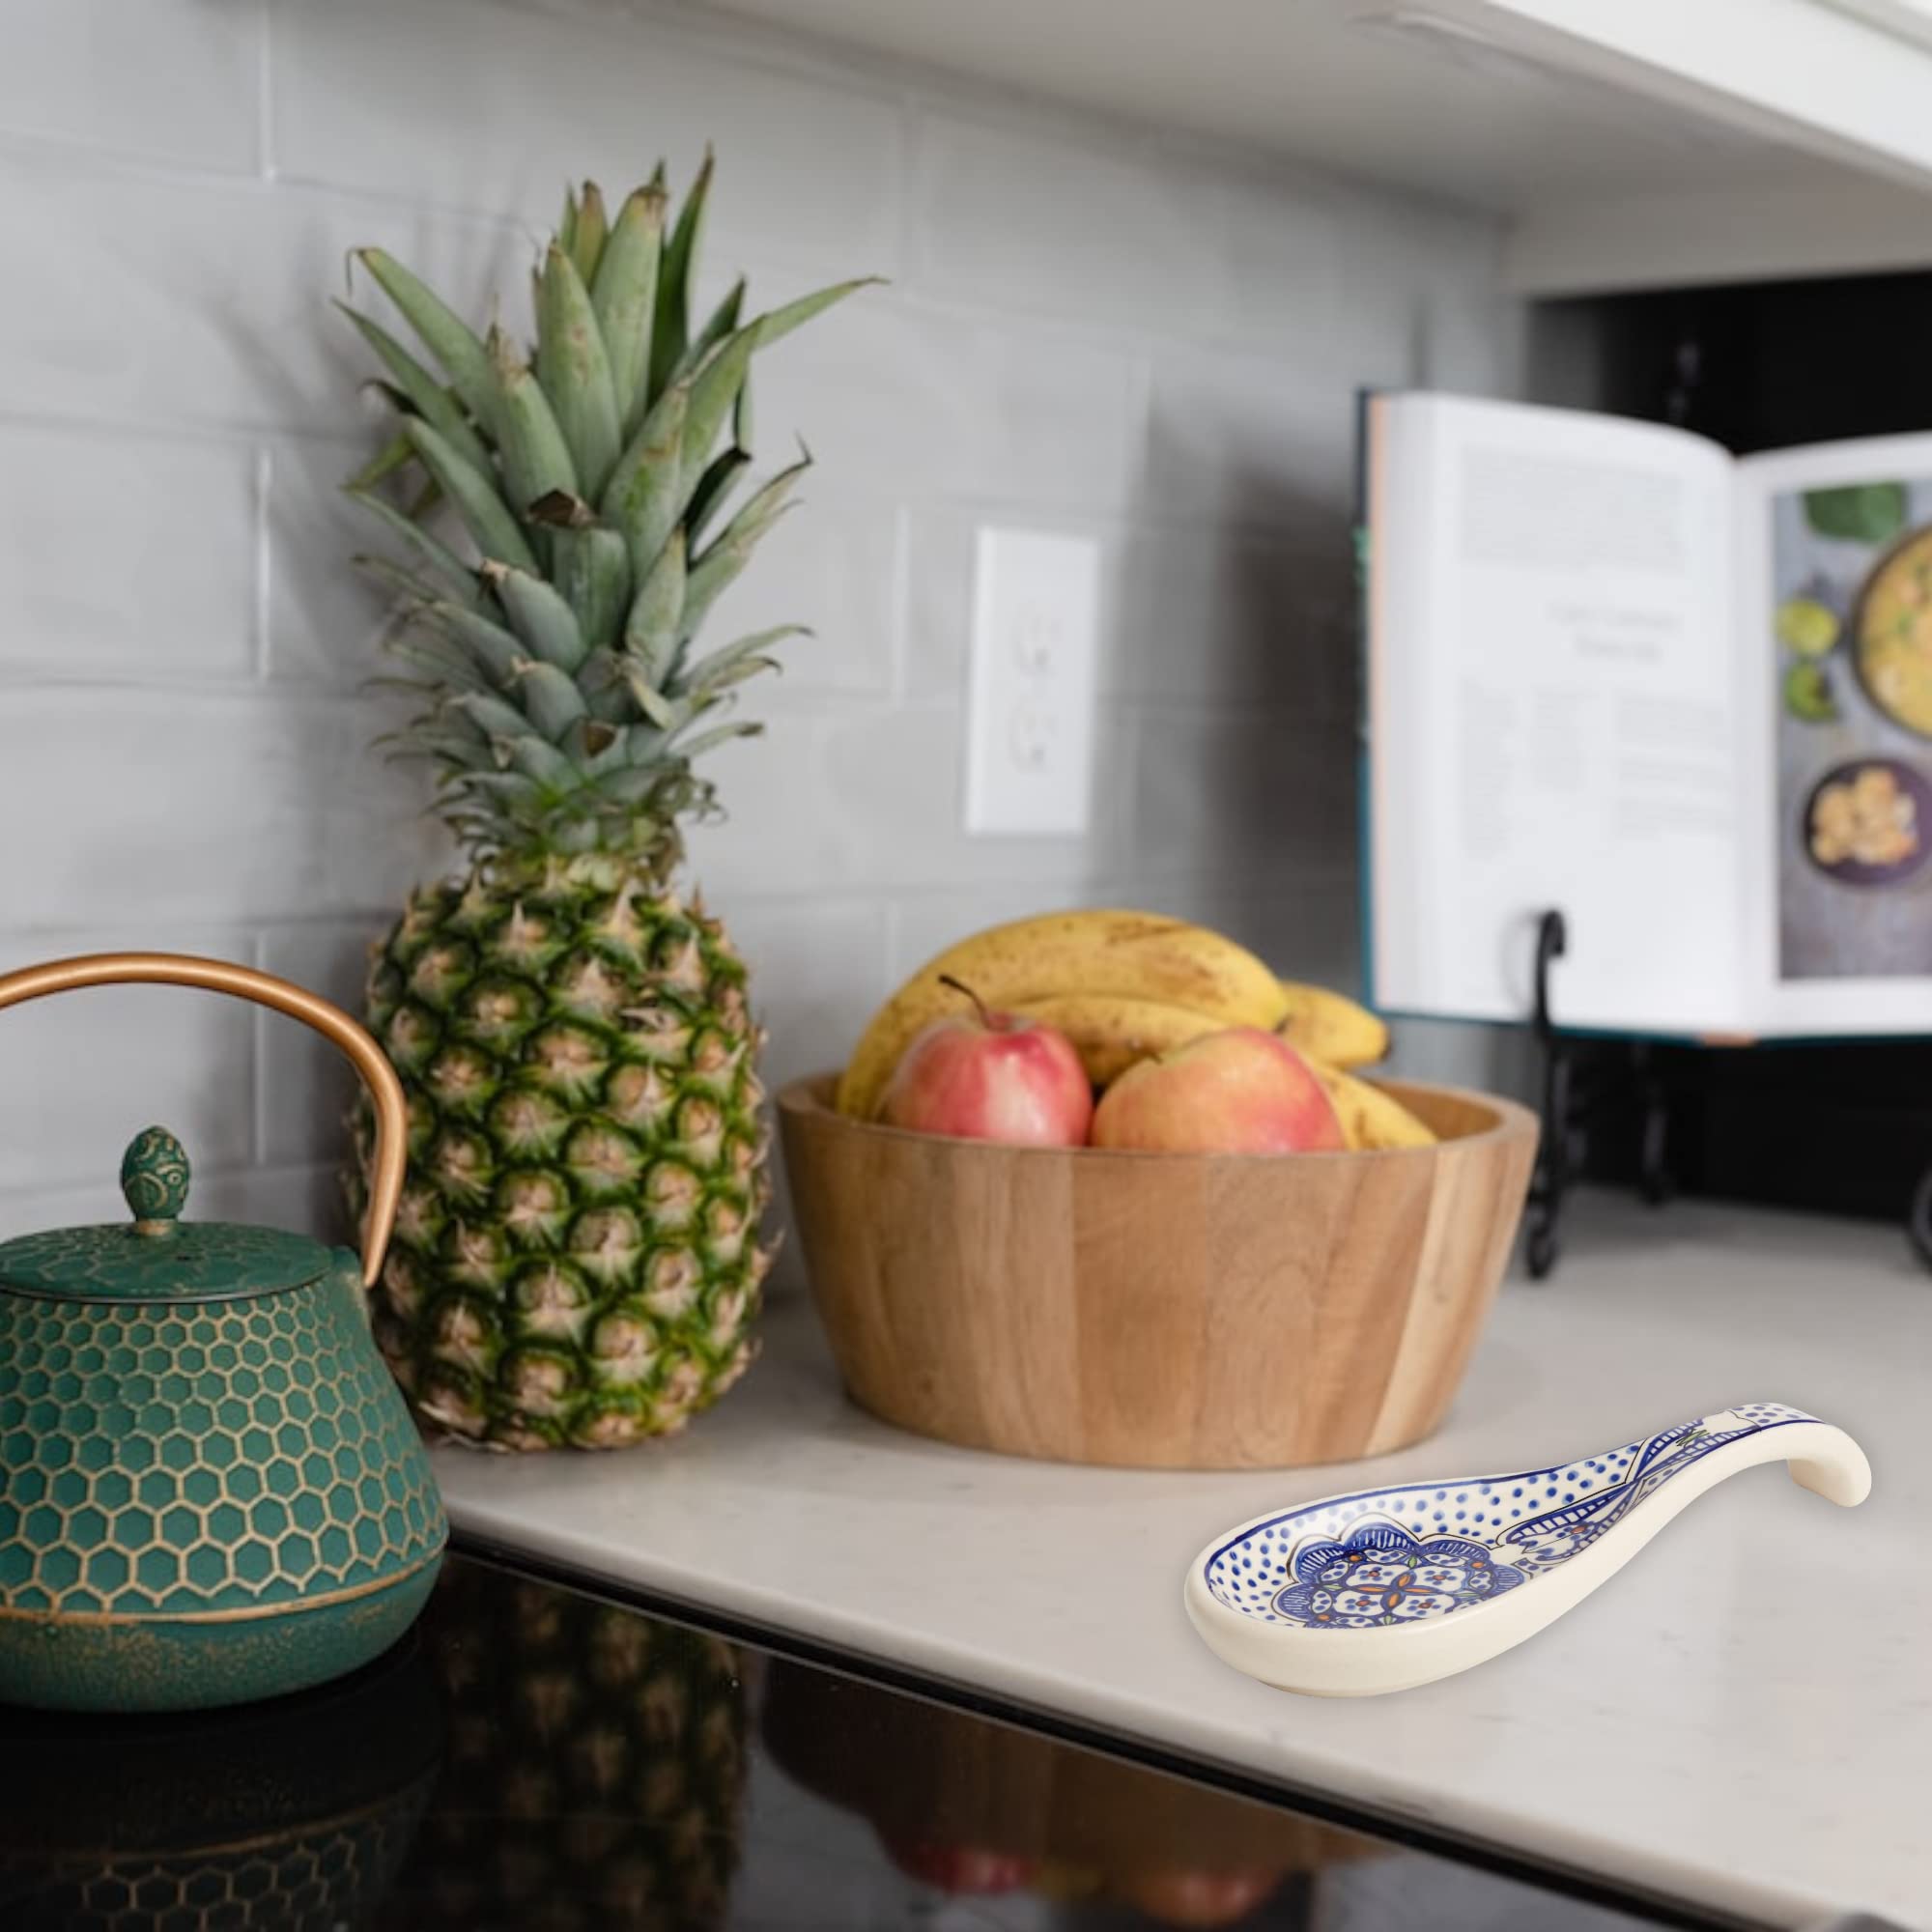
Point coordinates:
[(1389, 1588)]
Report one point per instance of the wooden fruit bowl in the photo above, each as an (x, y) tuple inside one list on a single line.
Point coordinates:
[(1157, 1310)]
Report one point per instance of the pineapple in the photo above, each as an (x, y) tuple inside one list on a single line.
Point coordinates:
[(594, 1771), (577, 1259)]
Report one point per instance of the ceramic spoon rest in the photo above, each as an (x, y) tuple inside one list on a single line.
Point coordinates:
[(1389, 1588)]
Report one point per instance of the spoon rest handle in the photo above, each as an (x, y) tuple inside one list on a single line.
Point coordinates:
[(1822, 1459), (1825, 1461)]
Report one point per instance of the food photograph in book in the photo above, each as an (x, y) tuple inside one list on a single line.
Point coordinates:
[(1852, 623)]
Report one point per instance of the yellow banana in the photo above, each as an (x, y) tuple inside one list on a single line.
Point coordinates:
[(1331, 1027), (1135, 954), (1112, 1032), (1370, 1117)]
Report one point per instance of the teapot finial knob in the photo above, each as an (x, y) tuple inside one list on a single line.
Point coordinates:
[(153, 1181)]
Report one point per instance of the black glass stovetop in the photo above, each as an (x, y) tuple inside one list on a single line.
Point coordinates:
[(536, 1760)]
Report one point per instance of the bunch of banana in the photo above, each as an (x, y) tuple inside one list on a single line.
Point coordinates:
[(1128, 955), (1330, 1026), (1125, 986), (1371, 1118)]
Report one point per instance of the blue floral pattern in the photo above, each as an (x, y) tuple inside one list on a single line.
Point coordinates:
[(1419, 1552), (1382, 1574)]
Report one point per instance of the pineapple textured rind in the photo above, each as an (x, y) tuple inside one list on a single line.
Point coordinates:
[(576, 1260)]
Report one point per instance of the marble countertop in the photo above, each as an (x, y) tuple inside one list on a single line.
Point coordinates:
[(1741, 1719)]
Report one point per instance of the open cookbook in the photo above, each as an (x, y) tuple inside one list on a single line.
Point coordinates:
[(1683, 697)]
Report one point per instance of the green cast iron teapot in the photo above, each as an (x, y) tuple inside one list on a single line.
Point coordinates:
[(210, 1490)]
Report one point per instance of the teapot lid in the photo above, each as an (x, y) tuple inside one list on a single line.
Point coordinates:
[(159, 1257)]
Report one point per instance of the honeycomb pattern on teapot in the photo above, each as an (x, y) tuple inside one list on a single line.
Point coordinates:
[(327, 1878), (221, 1456)]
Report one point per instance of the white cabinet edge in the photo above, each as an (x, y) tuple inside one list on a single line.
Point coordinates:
[(1805, 72)]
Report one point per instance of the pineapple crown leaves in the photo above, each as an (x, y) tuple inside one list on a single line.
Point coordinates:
[(560, 519)]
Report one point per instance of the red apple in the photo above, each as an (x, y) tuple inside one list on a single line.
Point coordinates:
[(1176, 1897), (986, 1076), (960, 1868), (1239, 1092)]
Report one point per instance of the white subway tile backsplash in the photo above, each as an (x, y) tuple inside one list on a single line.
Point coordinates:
[(894, 392), (304, 1086), (831, 565), (867, 800), (495, 107), (323, 612), (1227, 617), (1284, 246), (1238, 439), (1471, 342), (1304, 929), (175, 80), (210, 807), (1401, 263), (1233, 795), (164, 302), (87, 1070), (819, 969), (1455, 1053), (1125, 236), (938, 634), (125, 557), (1097, 231)]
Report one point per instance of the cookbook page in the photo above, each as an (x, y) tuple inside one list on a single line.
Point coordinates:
[(1834, 573), (1551, 716)]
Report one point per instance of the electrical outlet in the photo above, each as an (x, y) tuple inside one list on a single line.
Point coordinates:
[(1030, 719)]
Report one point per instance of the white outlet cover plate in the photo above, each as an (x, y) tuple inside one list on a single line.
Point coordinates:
[(1030, 714)]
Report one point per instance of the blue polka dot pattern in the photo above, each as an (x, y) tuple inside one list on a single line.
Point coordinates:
[(1489, 1531)]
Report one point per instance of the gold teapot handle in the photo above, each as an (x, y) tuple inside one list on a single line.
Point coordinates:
[(218, 976)]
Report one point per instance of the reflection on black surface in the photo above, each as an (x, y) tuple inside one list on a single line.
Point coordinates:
[(595, 1770), (289, 1816), (973, 1809), (534, 1761)]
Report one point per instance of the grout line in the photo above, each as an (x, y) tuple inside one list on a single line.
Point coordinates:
[(265, 92), (900, 655), (121, 430), (913, 190), (276, 695), (265, 484), (51, 152), (894, 937), (258, 1080)]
